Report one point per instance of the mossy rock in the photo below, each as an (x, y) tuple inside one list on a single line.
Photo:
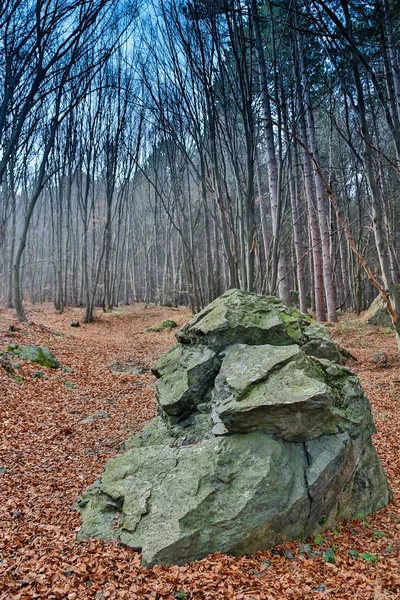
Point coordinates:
[(186, 375), (377, 314), (247, 318), (7, 363), (237, 494), (40, 355), (262, 436), (168, 324), (283, 392)]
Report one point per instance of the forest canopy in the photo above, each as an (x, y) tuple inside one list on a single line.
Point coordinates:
[(166, 151)]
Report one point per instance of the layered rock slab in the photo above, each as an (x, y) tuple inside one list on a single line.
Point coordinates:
[(283, 392), (231, 486), (185, 375), (258, 440)]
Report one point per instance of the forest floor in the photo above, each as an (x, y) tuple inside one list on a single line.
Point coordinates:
[(49, 455)]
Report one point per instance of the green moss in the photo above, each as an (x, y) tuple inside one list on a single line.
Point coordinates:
[(39, 375), (370, 558), (243, 317), (167, 324), (292, 323), (36, 354), (329, 556)]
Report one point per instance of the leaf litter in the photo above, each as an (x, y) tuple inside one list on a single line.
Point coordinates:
[(51, 450)]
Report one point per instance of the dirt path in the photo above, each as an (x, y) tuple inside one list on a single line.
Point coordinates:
[(48, 456)]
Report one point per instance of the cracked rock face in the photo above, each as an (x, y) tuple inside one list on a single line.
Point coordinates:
[(262, 436)]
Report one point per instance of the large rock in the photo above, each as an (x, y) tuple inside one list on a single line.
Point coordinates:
[(222, 494), (262, 436), (378, 314)]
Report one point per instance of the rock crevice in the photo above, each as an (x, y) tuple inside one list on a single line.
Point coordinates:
[(262, 436)]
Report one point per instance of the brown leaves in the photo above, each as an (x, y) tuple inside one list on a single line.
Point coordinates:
[(48, 456)]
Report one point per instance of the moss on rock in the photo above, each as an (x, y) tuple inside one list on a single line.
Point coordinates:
[(262, 436), (40, 355), (167, 324)]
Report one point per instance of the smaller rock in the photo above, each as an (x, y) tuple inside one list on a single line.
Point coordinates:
[(329, 556), (118, 368), (323, 349), (219, 429), (75, 324), (305, 549), (3, 470), (39, 375), (320, 344), (266, 564), (101, 414), (378, 314), (289, 555), (380, 358), (167, 324), (320, 588), (258, 574), (185, 376), (88, 419), (6, 363), (36, 354), (240, 317)]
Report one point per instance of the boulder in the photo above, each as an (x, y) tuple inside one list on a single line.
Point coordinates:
[(263, 435), (377, 314), (40, 355)]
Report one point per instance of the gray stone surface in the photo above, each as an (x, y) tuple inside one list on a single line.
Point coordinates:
[(283, 392), (186, 376), (260, 438), (231, 489), (40, 355), (101, 414), (377, 314), (241, 317), (118, 368)]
